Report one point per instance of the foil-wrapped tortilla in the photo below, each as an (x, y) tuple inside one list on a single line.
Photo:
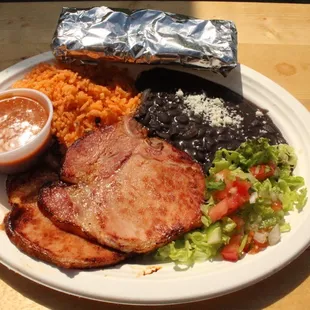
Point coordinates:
[(144, 37)]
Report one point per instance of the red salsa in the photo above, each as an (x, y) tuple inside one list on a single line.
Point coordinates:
[(21, 119)]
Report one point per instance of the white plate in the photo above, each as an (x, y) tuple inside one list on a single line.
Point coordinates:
[(122, 283)]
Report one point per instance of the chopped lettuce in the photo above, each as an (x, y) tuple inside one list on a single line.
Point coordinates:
[(286, 155), (225, 159), (201, 244), (215, 185), (255, 152), (260, 214), (228, 225)]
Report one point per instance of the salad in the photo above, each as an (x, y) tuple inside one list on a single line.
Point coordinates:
[(248, 193)]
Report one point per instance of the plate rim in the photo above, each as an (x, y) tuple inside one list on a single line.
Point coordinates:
[(299, 246)]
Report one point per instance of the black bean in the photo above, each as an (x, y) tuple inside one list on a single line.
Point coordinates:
[(188, 151), (206, 168), (188, 144), (223, 138), (201, 132), (209, 146), (142, 111), (204, 141), (197, 119), (164, 118), (272, 139), (145, 121), (173, 131), (148, 103), (254, 131), (190, 133), (152, 132), (163, 135), (239, 139), (193, 153), (208, 140), (222, 130), (159, 103), (255, 123), (211, 132), (153, 108), (196, 143), (181, 127), (172, 105), (166, 127), (154, 124), (200, 156), (183, 119), (149, 95), (208, 143), (173, 113), (269, 128), (179, 144)]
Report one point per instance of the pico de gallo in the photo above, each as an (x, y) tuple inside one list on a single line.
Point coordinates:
[(248, 193)]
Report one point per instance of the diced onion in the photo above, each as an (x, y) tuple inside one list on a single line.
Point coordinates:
[(233, 190), (250, 177), (273, 196), (260, 237), (253, 197), (274, 235), (219, 177), (257, 170)]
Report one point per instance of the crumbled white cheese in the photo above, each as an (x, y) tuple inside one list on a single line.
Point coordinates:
[(179, 93), (213, 110), (259, 113)]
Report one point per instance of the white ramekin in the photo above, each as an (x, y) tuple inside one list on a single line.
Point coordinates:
[(22, 158)]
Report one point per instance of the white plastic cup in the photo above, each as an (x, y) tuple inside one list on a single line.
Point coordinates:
[(22, 158)]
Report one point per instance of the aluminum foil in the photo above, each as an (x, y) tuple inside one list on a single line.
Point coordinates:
[(144, 37)]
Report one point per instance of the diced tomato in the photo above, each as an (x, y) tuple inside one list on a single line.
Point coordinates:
[(277, 205), (231, 250), (226, 206), (238, 220), (219, 210), (231, 200), (222, 194), (242, 188), (262, 172), (232, 187), (224, 176)]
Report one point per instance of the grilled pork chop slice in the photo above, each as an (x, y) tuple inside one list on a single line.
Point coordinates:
[(38, 237), (131, 193)]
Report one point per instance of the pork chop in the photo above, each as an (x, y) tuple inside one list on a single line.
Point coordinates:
[(129, 192), (37, 236)]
